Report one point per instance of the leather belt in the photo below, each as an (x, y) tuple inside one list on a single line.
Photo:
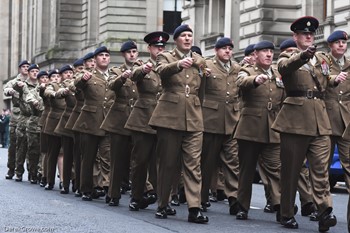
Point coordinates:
[(307, 94)]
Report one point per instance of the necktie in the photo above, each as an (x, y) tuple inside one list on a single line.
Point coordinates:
[(227, 68)]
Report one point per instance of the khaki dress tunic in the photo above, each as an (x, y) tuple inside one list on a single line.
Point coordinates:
[(304, 127), (260, 105), (220, 108)]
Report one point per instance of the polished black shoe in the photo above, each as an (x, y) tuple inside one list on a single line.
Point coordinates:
[(242, 215), (195, 215), (60, 185), (314, 216), (9, 175), (326, 221), (170, 211), (86, 197), (161, 213), (114, 202), (234, 208), (308, 209), (34, 181), (278, 211), (134, 205), (204, 207), (18, 178), (289, 223), (143, 204), (78, 193), (269, 208), (175, 201), (43, 182), (48, 186), (212, 197), (64, 191), (150, 198)]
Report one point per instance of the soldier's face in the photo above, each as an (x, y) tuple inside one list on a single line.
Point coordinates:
[(44, 79), (24, 69), (102, 60), (224, 53), (68, 74), (90, 63), (154, 50), (338, 48), (55, 78), (78, 69), (33, 73), (131, 56), (304, 39), (184, 41), (264, 58)]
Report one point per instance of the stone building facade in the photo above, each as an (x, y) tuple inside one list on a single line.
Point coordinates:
[(56, 32)]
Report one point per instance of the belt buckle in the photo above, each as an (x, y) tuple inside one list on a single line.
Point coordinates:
[(269, 106), (187, 90), (309, 94), (340, 96)]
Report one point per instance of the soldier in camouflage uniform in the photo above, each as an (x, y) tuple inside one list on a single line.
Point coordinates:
[(32, 97), (9, 91)]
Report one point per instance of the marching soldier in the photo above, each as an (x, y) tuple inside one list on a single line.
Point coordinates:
[(120, 138), (179, 123), (303, 123), (9, 91), (97, 101), (262, 94), (144, 137), (220, 108)]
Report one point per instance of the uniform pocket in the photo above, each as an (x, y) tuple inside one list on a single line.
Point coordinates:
[(174, 98), (211, 104), (89, 108)]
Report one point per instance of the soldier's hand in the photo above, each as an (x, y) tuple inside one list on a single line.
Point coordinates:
[(146, 68), (11, 92), (20, 84), (261, 78), (309, 52), (186, 62), (86, 76), (42, 85), (341, 77), (248, 60), (35, 103), (126, 74), (207, 72)]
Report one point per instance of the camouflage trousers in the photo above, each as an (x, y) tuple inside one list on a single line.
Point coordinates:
[(33, 153), (21, 150), (11, 160)]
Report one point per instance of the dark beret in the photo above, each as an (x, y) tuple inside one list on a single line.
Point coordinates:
[(88, 56), (180, 29), (337, 35), (249, 49), (224, 41), (156, 38), (54, 71), (305, 24), (289, 43), (101, 50), (196, 49), (265, 44), (65, 68), (128, 45), (79, 62), (24, 62), (42, 73), (33, 66)]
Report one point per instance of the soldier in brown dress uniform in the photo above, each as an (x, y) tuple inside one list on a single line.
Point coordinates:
[(144, 137), (337, 102), (98, 99), (179, 123), (303, 123), (220, 108), (262, 94)]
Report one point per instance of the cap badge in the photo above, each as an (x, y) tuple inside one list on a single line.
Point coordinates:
[(308, 24), (160, 38)]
